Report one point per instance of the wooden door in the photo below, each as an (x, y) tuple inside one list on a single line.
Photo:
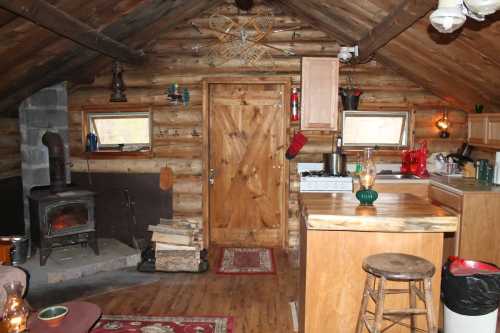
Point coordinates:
[(247, 138)]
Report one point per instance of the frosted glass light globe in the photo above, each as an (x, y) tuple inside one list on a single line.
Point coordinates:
[(483, 7), (447, 19)]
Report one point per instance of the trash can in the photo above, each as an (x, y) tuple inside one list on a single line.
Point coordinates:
[(19, 251), (470, 291)]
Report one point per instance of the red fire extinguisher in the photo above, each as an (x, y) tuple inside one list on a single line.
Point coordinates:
[(294, 99)]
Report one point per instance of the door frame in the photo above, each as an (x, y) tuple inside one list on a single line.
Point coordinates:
[(287, 87)]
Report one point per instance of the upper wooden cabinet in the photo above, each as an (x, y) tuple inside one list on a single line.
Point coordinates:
[(320, 85), (493, 131), (484, 130)]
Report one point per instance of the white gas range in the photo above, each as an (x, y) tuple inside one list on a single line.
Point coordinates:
[(312, 179)]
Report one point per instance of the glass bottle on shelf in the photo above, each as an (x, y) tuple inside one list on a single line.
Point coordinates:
[(16, 311)]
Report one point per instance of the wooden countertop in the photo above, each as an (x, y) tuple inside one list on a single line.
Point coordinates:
[(461, 185), (392, 212)]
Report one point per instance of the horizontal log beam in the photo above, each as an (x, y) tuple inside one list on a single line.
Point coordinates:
[(48, 16), (400, 19), (148, 16)]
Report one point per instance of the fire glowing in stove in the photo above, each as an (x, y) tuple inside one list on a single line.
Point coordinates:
[(64, 221)]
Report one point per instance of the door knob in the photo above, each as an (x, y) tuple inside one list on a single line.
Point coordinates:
[(211, 176)]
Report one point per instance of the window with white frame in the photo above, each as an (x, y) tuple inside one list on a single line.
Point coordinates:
[(385, 129), (121, 131)]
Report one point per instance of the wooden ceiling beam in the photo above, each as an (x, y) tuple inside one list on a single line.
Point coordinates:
[(317, 18), (400, 19), (139, 25), (48, 16)]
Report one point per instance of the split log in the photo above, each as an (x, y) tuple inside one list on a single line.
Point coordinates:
[(10, 161), (178, 150), (188, 184), (163, 136), (164, 117), (178, 166), (177, 260), (188, 203), (308, 48), (192, 78), (188, 33), (293, 223), (192, 217)]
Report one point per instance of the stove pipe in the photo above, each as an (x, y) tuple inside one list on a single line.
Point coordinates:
[(57, 164)]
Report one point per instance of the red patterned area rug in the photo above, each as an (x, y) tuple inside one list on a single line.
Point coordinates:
[(163, 324), (236, 260)]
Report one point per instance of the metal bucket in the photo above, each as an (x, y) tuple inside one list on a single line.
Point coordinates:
[(350, 102), (19, 251)]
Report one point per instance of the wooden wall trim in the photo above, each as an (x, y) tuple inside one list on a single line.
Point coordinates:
[(205, 164)]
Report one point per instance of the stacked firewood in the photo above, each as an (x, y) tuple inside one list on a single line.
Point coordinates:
[(177, 245)]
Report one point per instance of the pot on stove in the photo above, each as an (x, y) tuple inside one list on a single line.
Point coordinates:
[(334, 164)]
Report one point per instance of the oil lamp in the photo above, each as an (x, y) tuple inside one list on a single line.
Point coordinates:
[(117, 85), (365, 194), (15, 313), (443, 124)]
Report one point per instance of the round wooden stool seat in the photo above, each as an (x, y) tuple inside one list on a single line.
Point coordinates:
[(398, 266)]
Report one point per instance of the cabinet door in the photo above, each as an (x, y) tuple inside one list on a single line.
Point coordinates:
[(320, 83), (477, 129), (493, 131), (453, 202)]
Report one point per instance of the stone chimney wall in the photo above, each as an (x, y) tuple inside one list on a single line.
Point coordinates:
[(45, 110)]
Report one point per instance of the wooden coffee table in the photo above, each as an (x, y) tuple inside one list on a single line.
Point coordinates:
[(80, 319)]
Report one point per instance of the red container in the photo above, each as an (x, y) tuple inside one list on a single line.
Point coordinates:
[(294, 105)]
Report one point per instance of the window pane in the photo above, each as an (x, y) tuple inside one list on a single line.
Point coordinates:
[(127, 130), (375, 129)]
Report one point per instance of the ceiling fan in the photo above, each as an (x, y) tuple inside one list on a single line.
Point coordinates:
[(451, 14)]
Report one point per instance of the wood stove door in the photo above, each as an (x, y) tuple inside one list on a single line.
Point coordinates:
[(247, 140)]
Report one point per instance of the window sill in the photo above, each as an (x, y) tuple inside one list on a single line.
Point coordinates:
[(111, 155), (351, 151)]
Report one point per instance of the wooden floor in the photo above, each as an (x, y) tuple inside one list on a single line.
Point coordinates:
[(258, 303)]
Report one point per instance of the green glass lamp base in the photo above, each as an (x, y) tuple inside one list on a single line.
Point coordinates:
[(366, 196)]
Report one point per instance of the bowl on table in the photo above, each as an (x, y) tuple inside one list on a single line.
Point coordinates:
[(53, 315)]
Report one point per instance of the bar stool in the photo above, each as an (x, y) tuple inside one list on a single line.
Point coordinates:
[(403, 268)]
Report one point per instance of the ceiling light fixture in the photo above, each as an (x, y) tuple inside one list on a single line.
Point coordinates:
[(346, 53), (451, 14)]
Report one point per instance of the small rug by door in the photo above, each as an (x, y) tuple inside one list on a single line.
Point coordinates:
[(163, 324), (236, 260)]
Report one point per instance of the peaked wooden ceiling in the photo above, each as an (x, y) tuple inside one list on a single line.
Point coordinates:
[(462, 68)]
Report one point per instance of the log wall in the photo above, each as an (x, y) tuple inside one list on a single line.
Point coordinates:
[(10, 157), (177, 129)]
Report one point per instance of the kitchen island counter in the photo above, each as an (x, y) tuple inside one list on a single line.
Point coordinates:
[(393, 212), (336, 235)]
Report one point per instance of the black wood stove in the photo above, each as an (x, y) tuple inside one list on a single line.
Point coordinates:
[(60, 215)]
